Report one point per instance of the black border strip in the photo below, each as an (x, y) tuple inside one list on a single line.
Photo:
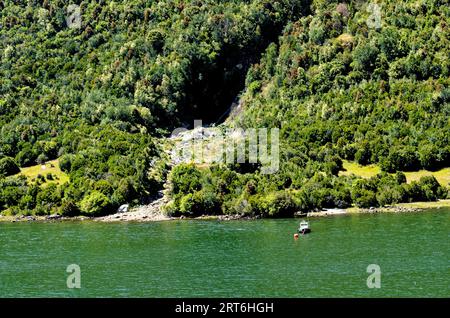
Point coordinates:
[(218, 306)]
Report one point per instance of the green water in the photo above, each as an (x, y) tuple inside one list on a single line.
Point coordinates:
[(230, 259)]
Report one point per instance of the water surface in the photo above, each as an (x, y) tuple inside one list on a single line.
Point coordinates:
[(256, 258)]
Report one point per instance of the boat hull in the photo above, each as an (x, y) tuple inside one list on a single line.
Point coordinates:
[(304, 231)]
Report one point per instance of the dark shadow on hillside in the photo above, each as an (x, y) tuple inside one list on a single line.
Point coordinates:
[(213, 88)]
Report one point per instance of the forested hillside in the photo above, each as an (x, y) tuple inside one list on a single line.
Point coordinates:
[(100, 97), (340, 87), (374, 95), (97, 95)]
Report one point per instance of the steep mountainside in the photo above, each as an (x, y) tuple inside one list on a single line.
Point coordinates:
[(356, 81), (96, 95), (351, 80)]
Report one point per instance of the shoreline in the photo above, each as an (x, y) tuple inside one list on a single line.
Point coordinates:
[(152, 213)]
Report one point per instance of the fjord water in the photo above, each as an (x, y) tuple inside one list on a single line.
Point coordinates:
[(256, 258)]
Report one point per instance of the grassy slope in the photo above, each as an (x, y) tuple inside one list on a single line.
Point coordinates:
[(406, 205), (442, 176), (50, 167)]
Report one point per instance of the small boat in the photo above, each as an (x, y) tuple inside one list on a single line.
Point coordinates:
[(304, 227)]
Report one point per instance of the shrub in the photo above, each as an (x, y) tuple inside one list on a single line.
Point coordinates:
[(206, 202), (69, 208), (185, 178), (105, 187), (400, 177), (404, 159), (242, 205), (124, 193), (49, 196), (342, 198), (65, 163), (366, 199), (278, 204), (386, 196), (199, 203), (363, 155), (26, 157), (250, 187), (414, 192), (431, 188), (170, 208), (40, 179), (428, 155), (27, 202), (187, 203), (8, 167), (364, 57), (95, 204), (331, 168), (41, 159)]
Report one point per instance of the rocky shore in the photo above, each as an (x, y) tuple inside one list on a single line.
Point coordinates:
[(153, 212), (326, 212), (48, 218), (150, 212), (394, 209)]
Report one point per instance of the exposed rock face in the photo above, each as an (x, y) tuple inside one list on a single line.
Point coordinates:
[(123, 208), (150, 212), (204, 144)]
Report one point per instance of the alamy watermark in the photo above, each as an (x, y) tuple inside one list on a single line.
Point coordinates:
[(74, 279), (73, 18), (374, 279), (374, 19), (228, 145)]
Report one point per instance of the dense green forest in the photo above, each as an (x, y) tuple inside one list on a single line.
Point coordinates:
[(102, 97)]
